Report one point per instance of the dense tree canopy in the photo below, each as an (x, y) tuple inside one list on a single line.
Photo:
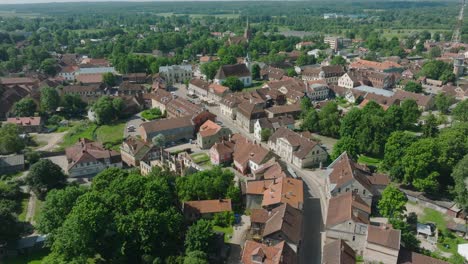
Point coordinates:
[(10, 142), (123, 217), (24, 107), (233, 83), (107, 109), (460, 177), (205, 185), (50, 99), (44, 176), (393, 203)]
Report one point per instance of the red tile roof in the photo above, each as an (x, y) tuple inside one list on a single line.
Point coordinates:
[(209, 128), (346, 207), (209, 206), (338, 252), (280, 253), (384, 236), (284, 190), (25, 121)]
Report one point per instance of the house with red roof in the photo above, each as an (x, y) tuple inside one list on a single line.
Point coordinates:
[(194, 210), (281, 253), (87, 158), (27, 124), (210, 133)]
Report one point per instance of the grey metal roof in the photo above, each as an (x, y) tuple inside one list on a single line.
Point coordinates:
[(369, 89), (11, 160), (97, 70)]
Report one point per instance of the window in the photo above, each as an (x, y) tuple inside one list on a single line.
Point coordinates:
[(354, 238), (364, 191)]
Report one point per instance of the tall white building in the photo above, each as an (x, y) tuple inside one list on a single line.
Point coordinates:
[(176, 73)]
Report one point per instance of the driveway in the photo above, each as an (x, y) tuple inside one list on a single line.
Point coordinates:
[(52, 139), (135, 121), (238, 240)]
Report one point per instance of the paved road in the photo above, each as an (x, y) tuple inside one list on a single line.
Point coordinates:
[(314, 199), (31, 208)]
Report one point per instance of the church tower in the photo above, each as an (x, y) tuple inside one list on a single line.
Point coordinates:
[(247, 32)]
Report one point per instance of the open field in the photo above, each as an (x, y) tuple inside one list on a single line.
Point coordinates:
[(228, 231), (369, 160)]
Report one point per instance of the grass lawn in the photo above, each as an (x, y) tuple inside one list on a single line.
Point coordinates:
[(369, 160), (200, 158), (79, 130), (37, 209), (110, 133), (24, 207), (228, 231), (448, 242), (33, 258)]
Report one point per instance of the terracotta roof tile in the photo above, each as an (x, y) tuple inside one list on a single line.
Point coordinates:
[(343, 207), (384, 236), (284, 190), (209, 206), (338, 252)]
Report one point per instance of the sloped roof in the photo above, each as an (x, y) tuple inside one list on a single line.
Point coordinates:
[(86, 150), (209, 128), (167, 124), (25, 121), (384, 236), (209, 206), (407, 257), (277, 254), (421, 99), (341, 207), (304, 145), (284, 190), (285, 219), (338, 252), (235, 70)]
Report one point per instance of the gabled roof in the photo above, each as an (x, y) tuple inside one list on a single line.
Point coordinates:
[(208, 206), (25, 121), (345, 207), (245, 151), (138, 148), (285, 219), (270, 170), (235, 70), (89, 78), (167, 124), (209, 128), (302, 146), (280, 253), (338, 252), (86, 150), (421, 99), (384, 236), (81, 88), (344, 170), (284, 190)]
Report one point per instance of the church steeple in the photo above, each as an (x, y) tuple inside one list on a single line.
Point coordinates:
[(247, 32)]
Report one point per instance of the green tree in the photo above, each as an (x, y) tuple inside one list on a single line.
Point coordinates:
[(121, 218), (395, 149), (338, 60), (306, 104), (44, 176), (460, 112), (290, 72), (411, 113), (435, 52), (210, 68), (265, 134), (73, 105), (10, 228), (348, 144), (109, 79), (420, 165), (329, 120), (159, 140), (233, 83), (10, 142), (107, 109), (199, 236), (196, 257), (429, 129), (205, 185), (256, 72), (24, 107), (443, 102), (58, 204), (50, 99), (393, 203), (413, 87), (408, 235), (460, 177), (49, 67), (310, 122)]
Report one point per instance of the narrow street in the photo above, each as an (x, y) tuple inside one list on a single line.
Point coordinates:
[(314, 199)]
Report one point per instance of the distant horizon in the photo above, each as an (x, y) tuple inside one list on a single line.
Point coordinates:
[(13, 2)]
